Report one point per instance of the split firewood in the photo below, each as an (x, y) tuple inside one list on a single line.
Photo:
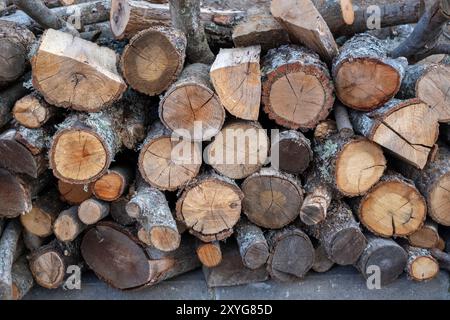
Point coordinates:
[(272, 199), (22, 279), (236, 77), (8, 98), (162, 63), (421, 265), (291, 152), (32, 111), (232, 272), (92, 211), (74, 194), (46, 208), (406, 128), (113, 184), (167, 162), (49, 263), (252, 244), (306, 26), (365, 77), (321, 261), (16, 42), (339, 234), (210, 206), (434, 184), (286, 246), (150, 208), (393, 207), (190, 107), (209, 254), (91, 84), (343, 122), (442, 257), (239, 150), (426, 237), (68, 225), (8, 245), (31, 241), (384, 254)]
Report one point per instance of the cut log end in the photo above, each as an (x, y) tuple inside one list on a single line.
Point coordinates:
[(164, 238), (294, 152), (423, 268), (48, 269), (74, 193), (31, 112), (119, 16), (438, 200), (209, 254), (37, 222), (68, 225), (91, 211), (14, 196), (109, 187), (347, 246)]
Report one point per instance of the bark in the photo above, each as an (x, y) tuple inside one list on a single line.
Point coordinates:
[(321, 261), (91, 211), (291, 152), (113, 184), (253, 247), (8, 245), (68, 225), (426, 237), (22, 279), (7, 99), (119, 213), (31, 241), (421, 265), (74, 194), (442, 257), (343, 123)]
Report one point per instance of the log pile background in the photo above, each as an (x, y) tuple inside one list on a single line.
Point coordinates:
[(92, 94)]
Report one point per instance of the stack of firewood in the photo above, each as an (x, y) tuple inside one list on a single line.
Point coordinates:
[(116, 117)]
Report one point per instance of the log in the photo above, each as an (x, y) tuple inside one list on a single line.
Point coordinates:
[(232, 272), (72, 2), (22, 279), (291, 152), (210, 206), (297, 87), (162, 63), (119, 213), (77, 79), (433, 182), (92, 211), (339, 234), (74, 194), (426, 237), (445, 133), (46, 208), (166, 162), (8, 245), (252, 244), (429, 83), (236, 77), (209, 254), (321, 261), (385, 254), (306, 26), (392, 208), (421, 265), (68, 226), (113, 184), (15, 44), (272, 199), (190, 107), (31, 241), (286, 246), (404, 127), (318, 198), (343, 122), (365, 77), (442, 257), (32, 111), (49, 263), (239, 150), (7, 99), (150, 208)]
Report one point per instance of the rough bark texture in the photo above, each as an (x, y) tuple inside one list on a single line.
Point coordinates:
[(8, 245), (321, 261), (343, 122), (22, 279), (252, 244), (291, 152)]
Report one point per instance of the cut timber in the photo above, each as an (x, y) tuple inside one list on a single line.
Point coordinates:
[(119, 213), (8, 98), (74, 194), (421, 264), (426, 237), (167, 162), (318, 198), (92, 211), (236, 76), (46, 208), (291, 152), (365, 77), (232, 272), (434, 184), (429, 83), (119, 260), (15, 44), (291, 254), (252, 244), (305, 26), (49, 263), (8, 245), (239, 150), (190, 107), (393, 207), (406, 128), (297, 87), (153, 59), (84, 147), (68, 226), (209, 254), (31, 241), (151, 209), (74, 73), (272, 199), (343, 123), (442, 257), (385, 254), (113, 184), (210, 206), (32, 111), (22, 279), (340, 234), (321, 261)]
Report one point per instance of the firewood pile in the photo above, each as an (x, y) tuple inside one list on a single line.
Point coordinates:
[(256, 139)]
